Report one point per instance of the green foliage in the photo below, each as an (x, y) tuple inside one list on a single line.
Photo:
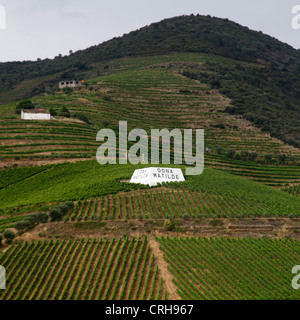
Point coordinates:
[(219, 150), (268, 158), (9, 235), (265, 91), (69, 204), (67, 90), (244, 155), (198, 262), (63, 182), (82, 117), (231, 153), (185, 216), (64, 112), (57, 213), (282, 158), (253, 156), (217, 182), (41, 217), (53, 112), (26, 104), (169, 225)]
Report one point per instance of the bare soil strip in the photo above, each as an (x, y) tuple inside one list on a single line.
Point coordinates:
[(165, 272)]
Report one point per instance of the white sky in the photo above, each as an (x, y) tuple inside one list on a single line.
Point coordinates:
[(45, 28)]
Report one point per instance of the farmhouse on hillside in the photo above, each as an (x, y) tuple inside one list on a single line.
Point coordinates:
[(35, 114), (69, 84)]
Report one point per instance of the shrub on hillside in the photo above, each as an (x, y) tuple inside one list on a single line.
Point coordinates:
[(9, 235), (253, 156), (268, 158), (64, 112), (26, 104), (53, 112), (219, 150), (281, 158), (82, 117), (231, 153), (58, 212)]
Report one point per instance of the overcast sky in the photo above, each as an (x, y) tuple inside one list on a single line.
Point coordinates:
[(45, 28)]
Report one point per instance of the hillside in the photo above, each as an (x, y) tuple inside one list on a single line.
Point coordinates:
[(72, 229), (260, 66), (152, 89)]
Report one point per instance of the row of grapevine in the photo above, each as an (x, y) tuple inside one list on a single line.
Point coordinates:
[(294, 190), (230, 268), (160, 204), (91, 269)]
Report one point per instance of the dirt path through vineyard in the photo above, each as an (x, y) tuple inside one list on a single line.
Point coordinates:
[(165, 273)]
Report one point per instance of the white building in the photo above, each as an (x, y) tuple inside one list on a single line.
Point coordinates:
[(69, 84), (35, 114)]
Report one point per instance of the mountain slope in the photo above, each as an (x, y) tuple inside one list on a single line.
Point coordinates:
[(262, 81)]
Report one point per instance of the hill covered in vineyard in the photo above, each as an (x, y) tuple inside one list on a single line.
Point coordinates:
[(259, 74)]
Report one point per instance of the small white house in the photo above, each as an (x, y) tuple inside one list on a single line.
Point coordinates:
[(69, 84), (35, 114)]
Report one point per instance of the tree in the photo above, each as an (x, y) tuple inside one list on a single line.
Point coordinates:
[(281, 158), (70, 204), (105, 124), (1, 239), (41, 217), (64, 208), (219, 150), (22, 226), (53, 112), (9, 235), (82, 117), (26, 104), (268, 158), (244, 155), (253, 156), (64, 112), (56, 214), (231, 153)]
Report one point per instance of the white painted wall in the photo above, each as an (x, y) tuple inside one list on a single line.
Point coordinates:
[(35, 116), (69, 84)]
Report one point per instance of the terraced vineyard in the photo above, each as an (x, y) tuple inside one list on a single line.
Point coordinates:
[(38, 140), (149, 88), (270, 175), (97, 250), (229, 268), (165, 203), (93, 269), (294, 190)]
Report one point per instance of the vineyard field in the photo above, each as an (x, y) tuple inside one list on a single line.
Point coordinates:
[(85, 269), (231, 268), (165, 203), (87, 179)]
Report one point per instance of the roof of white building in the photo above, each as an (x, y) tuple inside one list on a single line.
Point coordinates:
[(35, 111)]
